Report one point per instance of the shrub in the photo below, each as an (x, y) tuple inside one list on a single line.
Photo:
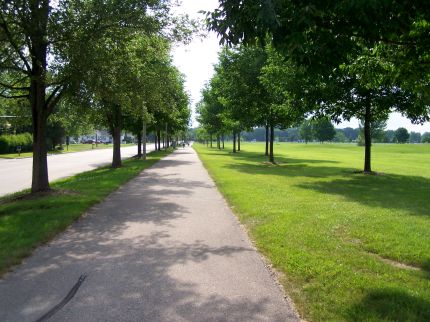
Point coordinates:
[(9, 143)]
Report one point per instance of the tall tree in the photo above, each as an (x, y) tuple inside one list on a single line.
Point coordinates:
[(283, 84), (323, 129), (402, 135), (425, 138), (361, 88)]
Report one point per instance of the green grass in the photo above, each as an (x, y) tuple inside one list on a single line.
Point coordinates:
[(331, 230), (28, 222), (72, 148)]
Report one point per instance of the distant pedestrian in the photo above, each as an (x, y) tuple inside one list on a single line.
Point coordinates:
[(183, 145)]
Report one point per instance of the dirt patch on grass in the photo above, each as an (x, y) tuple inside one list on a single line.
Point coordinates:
[(372, 173), (270, 164), (399, 264), (396, 263)]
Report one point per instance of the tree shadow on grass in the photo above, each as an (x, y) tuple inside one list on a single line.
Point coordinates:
[(426, 268), (389, 191), (390, 305), (279, 160)]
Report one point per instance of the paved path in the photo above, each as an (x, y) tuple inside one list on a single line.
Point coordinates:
[(164, 247), (15, 174)]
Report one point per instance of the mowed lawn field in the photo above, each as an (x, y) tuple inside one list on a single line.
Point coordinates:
[(352, 247)]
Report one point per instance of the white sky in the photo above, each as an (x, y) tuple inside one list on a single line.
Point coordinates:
[(196, 62)]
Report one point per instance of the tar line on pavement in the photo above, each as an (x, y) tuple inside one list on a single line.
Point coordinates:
[(164, 247)]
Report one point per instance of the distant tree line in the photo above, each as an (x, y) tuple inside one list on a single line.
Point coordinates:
[(322, 130)]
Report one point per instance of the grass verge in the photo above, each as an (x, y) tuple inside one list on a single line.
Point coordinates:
[(352, 247), (72, 148), (26, 221)]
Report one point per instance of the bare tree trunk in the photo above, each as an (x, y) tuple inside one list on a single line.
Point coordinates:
[(167, 138), (272, 138), (39, 108), (159, 139), (367, 139), (40, 180), (116, 135), (144, 140), (234, 142), (267, 140), (139, 145), (238, 141)]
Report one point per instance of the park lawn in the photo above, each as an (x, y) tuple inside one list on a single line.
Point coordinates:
[(28, 222), (72, 148), (352, 247)]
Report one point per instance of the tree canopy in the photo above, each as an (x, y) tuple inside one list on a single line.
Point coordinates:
[(49, 48)]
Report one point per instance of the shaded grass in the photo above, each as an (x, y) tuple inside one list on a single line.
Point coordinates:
[(72, 148), (330, 229), (26, 222)]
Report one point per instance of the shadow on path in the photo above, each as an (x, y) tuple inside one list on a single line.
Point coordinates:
[(127, 251)]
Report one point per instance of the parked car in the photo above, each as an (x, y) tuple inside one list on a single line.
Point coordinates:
[(89, 141)]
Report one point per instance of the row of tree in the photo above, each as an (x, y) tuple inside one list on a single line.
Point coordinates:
[(291, 60), (107, 64)]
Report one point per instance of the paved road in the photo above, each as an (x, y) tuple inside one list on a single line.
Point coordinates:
[(164, 247), (15, 174)]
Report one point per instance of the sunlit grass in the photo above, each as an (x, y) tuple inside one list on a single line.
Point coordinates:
[(338, 236), (27, 222)]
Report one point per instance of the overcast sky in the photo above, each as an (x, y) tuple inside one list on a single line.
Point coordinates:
[(196, 62)]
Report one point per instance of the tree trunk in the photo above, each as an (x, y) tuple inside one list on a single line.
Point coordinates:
[(144, 141), (116, 158), (37, 96), (159, 139), (238, 141), (211, 140), (218, 142), (267, 140), (367, 139), (40, 181), (139, 145), (223, 141), (167, 138), (234, 142), (272, 138)]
